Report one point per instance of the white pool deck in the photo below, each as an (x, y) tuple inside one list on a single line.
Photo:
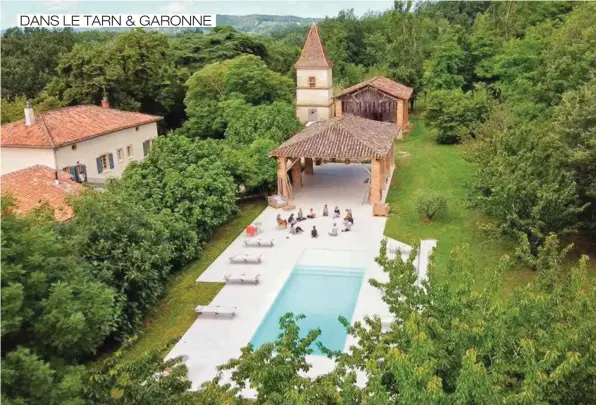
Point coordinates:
[(210, 341)]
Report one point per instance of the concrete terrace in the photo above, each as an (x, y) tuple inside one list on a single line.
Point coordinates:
[(211, 341)]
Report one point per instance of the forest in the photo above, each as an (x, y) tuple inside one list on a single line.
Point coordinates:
[(511, 83)]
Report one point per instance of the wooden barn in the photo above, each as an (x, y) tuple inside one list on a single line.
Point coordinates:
[(378, 99)]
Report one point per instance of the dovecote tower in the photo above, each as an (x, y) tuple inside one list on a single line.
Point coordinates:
[(314, 81)]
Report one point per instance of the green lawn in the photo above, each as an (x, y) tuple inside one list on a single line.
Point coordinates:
[(175, 312), (422, 164)]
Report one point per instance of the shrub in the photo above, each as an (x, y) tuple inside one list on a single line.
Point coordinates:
[(430, 204), (455, 114)]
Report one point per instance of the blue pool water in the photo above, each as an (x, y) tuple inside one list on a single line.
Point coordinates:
[(321, 294)]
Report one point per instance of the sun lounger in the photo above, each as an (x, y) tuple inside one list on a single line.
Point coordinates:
[(258, 243), (216, 310), (246, 259), (242, 279)]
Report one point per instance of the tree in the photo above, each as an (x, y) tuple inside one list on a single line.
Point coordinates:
[(135, 72), (215, 91), (29, 58), (430, 204), (455, 114), (275, 369), (51, 301), (573, 122), (519, 181), (27, 379), (194, 50), (128, 248), (186, 178), (276, 122), (444, 69), (15, 110), (148, 380)]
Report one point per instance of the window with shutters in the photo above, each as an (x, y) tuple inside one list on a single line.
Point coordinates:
[(129, 151), (147, 146), (120, 154), (312, 81), (104, 162)]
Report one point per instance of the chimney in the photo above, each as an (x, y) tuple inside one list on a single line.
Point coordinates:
[(29, 116), (105, 103), (56, 180)]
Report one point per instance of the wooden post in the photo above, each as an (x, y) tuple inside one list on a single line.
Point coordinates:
[(282, 177), (296, 173), (338, 111), (375, 181), (308, 166), (388, 163), (400, 114), (406, 118)]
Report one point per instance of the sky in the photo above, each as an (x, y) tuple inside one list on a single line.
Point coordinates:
[(301, 8)]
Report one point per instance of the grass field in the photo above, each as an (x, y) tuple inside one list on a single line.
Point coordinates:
[(175, 312), (422, 164)]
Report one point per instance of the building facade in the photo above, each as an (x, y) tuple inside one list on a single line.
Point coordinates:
[(89, 142)]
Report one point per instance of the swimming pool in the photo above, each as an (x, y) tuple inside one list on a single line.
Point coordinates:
[(321, 294)]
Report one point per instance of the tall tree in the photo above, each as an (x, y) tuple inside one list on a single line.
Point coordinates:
[(135, 71), (29, 58), (51, 301)]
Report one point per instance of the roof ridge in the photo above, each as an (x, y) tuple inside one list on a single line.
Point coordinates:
[(47, 132), (355, 136)]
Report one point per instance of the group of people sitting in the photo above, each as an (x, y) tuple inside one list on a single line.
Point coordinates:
[(296, 229)]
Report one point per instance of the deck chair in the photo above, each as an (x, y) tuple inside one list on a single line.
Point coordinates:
[(216, 310), (242, 279), (258, 243), (246, 259)]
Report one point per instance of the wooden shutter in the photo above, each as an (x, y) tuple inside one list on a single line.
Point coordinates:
[(111, 157), (99, 165), (145, 148)]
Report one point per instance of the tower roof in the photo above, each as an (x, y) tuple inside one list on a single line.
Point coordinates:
[(313, 53)]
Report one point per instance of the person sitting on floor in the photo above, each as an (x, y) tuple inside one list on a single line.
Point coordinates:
[(311, 214), (314, 233), (333, 230), (348, 226), (291, 219), (295, 230), (349, 216), (281, 223), (336, 212), (325, 211), (300, 216)]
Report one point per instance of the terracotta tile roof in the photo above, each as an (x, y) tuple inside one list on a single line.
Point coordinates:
[(383, 84), (344, 137), (56, 128), (313, 53), (31, 186)]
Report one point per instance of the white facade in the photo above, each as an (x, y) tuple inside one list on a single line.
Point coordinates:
[(14, 159), (86, 153), (314, 103)]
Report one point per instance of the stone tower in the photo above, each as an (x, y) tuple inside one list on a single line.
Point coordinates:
[(314, 81)]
